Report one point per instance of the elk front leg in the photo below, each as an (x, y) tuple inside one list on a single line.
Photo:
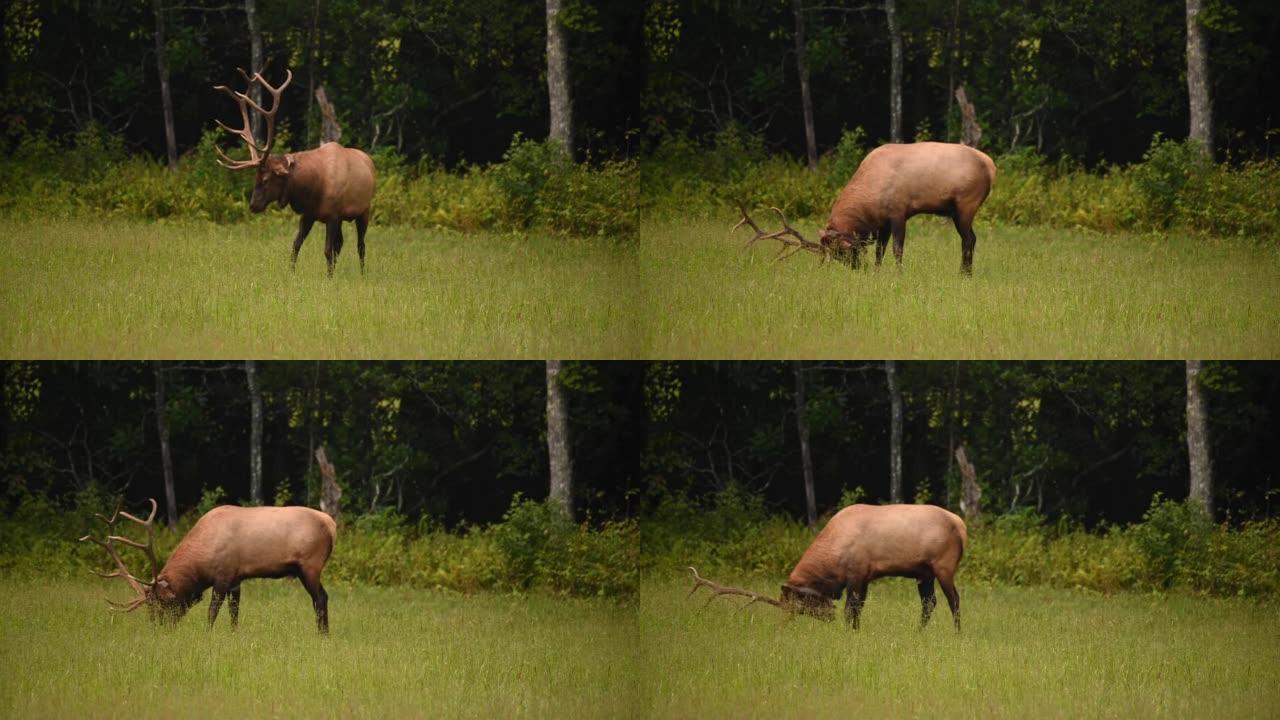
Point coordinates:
[(928, 600), (304, 229), (214, 605), (899, 229), (233, 605), (856, 597), (882, 241)]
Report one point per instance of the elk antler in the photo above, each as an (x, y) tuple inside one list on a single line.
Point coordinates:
[(139, 585), (790, 245), (717, 590), (256, 153)]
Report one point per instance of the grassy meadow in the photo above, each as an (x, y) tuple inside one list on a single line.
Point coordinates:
[(1035, 293), (123, 289), (1024, 652), (392, 652)]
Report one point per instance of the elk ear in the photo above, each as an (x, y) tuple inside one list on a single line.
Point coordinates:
[(282, 168)]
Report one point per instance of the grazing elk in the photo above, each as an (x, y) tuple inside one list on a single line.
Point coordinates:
[(893, 183), (227, 546), (862, 543), (332, 184)]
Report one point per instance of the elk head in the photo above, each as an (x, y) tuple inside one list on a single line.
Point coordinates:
[(802, 601), (155, 593), (831, 244), (272, 170)]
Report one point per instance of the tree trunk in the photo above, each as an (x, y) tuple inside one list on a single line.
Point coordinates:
[(255, 432), (162, 430), (1198, 79), (802, 68), (970, 492), (558, 79), (558, 438), (895, 71), (895, 431), (951, 422), (162, 68), (970, 131), (255, 64), (806, 459), (330, 491), (1198, 440), (330, 130), (311, 86)]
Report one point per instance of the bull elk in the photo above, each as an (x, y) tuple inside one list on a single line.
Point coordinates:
[(892, 184), (862, 543), (331, 183), (227, 546)]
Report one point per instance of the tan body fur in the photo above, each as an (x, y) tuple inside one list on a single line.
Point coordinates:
[(895, 182), (231, 544), (865, 542), (331, 183)]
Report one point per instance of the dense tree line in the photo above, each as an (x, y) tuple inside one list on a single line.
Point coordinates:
[(454, 81), (1086, 441), (446, 80), (452, 442)]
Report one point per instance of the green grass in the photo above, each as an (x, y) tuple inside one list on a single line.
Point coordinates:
[(1035, 293), (392, 652), (73, 289), (1024, 652)]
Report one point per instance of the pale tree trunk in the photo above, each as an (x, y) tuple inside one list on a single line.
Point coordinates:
[(166, 99), (895, 431), (255, 432), (970, 491), (255, 64), (558, 438), (806, 458), (802, 68), (162, 430), (330, 491), (1198, 440), (558, 79), (1198, 79), (895, 71)]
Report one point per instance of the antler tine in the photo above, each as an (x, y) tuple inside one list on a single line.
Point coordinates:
[(150, 547), (275, 93), (717, 590), (790, 245)]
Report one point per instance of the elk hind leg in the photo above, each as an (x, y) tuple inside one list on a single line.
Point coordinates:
[(947, 581), (319, 600), (928, 601), (304, 229), (332, 244), (233, 605), (964, 226), (362, 225)]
